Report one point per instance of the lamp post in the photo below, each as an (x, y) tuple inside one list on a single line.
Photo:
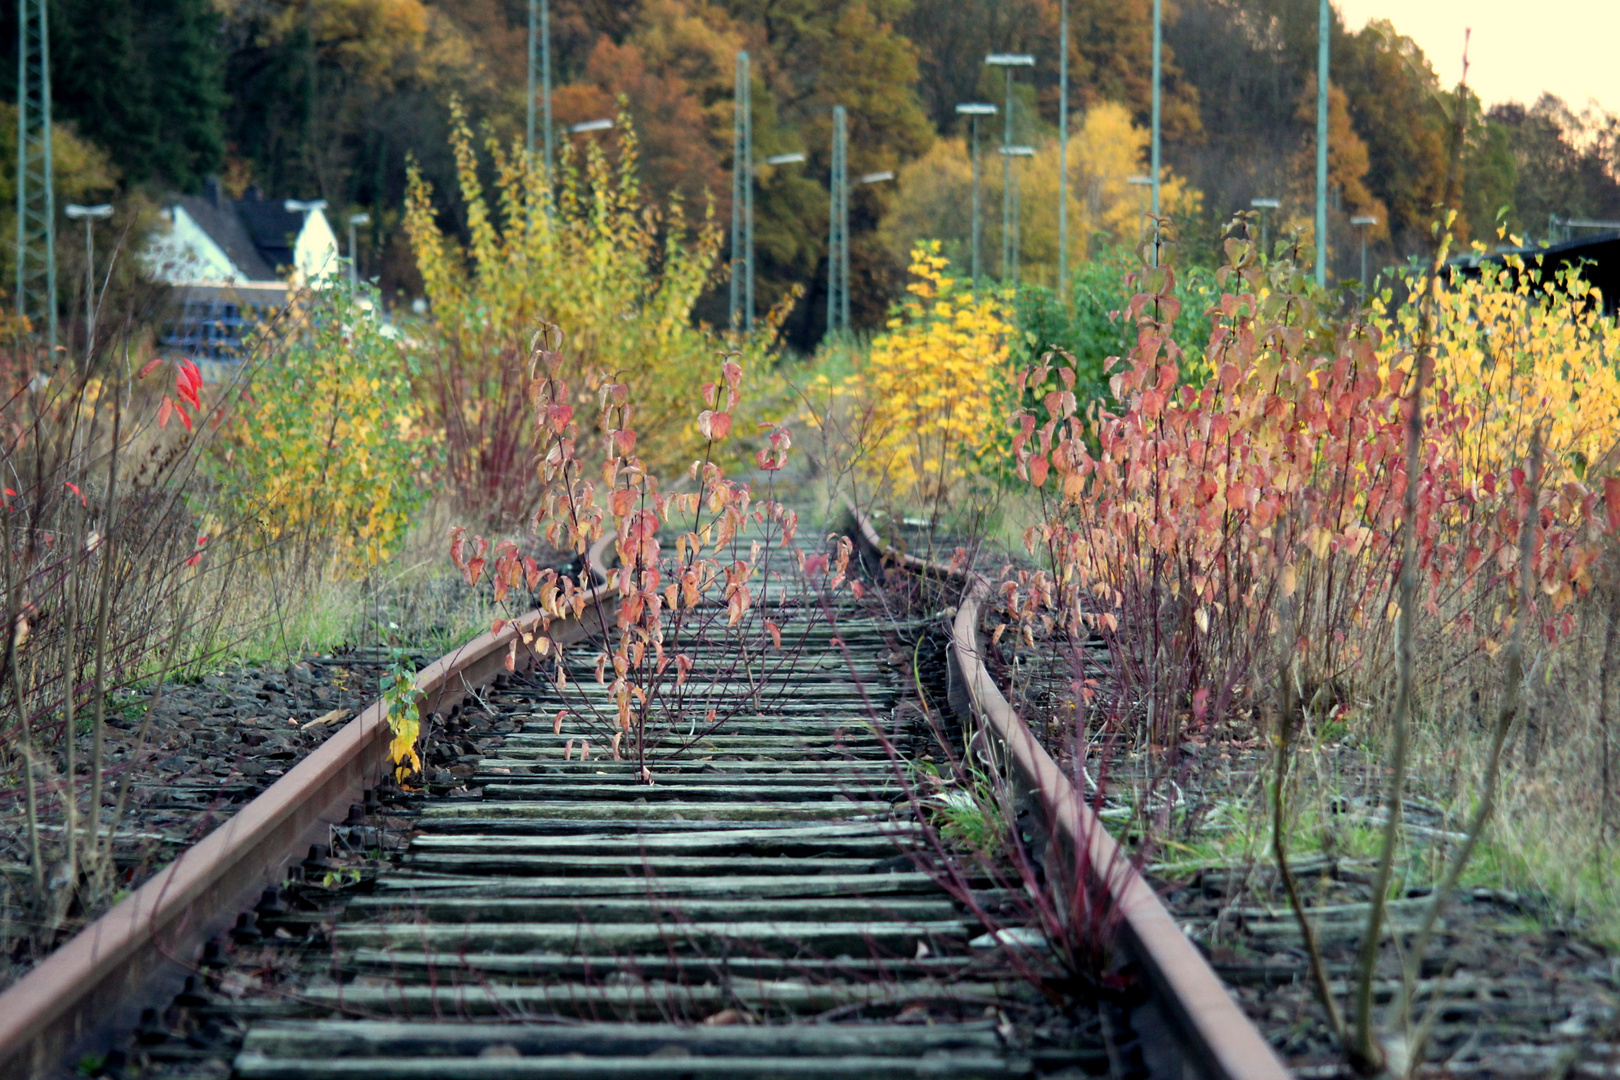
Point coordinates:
[(89, 214), (742, 197), (355, 220), (747, 320), (838, 226), (1158, 48), (1363, 222), (1263, 205), (1063, 147), (540, 29), (1321, 140), (976, 110), (1011, 152), (589, 125), (1007, 61), (1145, 182)]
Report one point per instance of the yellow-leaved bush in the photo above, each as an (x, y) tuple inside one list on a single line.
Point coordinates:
[(327, 440), (922, 402), (585, 251), (1523, 347)]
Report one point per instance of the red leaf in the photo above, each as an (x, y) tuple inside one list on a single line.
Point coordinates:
[(75, 489), (163, 412), (146, 368), (720, 425), (185, 417), (184, 388)]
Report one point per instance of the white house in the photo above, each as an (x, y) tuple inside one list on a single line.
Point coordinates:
[(232, 260)]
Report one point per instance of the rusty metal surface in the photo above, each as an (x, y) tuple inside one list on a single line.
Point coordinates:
[(80, 987), (1206, 1013)]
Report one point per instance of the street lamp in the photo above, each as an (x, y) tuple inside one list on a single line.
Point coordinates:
[(1321, 140), (838, 226), (1158, 43), (747, 319), (1363, 222), (1007, 61), (742, 197), (544, 35), (1263, 205), (1063, 149), (976, 110), (355, 220), (1140, 181), (589, 125), (89, 214), (1010, 152)]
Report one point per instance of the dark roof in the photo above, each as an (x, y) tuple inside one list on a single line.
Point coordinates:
[(224, 226), (273, 227), (1596, 257), (256, 234)]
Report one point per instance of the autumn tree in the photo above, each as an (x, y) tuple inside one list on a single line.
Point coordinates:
[(1398, 109), (1564, 163)]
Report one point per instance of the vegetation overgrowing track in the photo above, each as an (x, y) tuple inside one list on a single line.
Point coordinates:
[(766, 907)]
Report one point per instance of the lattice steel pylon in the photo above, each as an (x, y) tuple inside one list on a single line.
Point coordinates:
[(838, 227), (36, 188)]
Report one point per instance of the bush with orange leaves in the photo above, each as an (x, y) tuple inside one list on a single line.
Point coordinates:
[(1204, 530), (709, 583)]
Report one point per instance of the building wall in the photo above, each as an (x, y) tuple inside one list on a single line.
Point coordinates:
[(183, 254), (316, 252)]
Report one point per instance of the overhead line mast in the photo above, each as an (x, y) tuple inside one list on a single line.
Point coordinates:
[(36, 188)]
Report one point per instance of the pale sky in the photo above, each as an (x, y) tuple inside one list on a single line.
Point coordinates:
[(1567, 47)]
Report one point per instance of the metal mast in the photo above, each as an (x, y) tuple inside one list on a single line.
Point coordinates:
[(1007, 61), (1321, 141), (540, 37), (976, 109), (1158, 73), (1063, 150), (1007, 182), (742, 201), (36, 194), (838, 227)]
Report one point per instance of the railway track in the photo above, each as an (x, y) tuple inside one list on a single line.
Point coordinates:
[(766, 907)]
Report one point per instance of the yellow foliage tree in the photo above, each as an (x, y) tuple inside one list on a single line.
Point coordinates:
[(619, 276), (936, 196), (927, 390), (1524, 348)]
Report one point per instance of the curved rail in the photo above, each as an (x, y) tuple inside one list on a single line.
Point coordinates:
[(1207, 1018), (98, 979)]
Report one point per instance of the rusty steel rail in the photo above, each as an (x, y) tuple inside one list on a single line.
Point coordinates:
[(1208, 1021), (96, 981)]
